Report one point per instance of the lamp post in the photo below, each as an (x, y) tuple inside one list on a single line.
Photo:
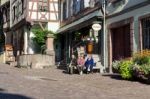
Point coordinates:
[(104, 31)]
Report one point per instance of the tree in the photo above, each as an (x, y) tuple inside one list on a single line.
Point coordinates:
[(40, 35)]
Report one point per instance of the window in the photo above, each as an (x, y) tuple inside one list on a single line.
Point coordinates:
[(70, 8), (8, 14), (82, 4), (86, 3), (92, 3), (64, 10), (146, 32), (117, 3), (14, 12), (43, 5), (4, 14), (78, 5), (74, 6), (17, 9), (6, 11), (21, 3)]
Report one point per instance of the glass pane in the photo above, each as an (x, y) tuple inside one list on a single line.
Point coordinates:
[(45, 0), (146, 33), (43, 5)]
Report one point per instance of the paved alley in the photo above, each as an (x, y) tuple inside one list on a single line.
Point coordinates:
[(53, 83)]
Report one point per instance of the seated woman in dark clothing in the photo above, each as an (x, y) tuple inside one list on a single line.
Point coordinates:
[(72, 64), (89, 64)]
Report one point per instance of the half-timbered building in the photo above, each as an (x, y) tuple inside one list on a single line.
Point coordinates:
[(19, 17), (28, 14), (5, 34)]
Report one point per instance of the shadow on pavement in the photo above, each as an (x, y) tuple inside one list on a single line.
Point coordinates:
[(63, 69), (2, 90), (114, 76), (4, 95), (65, 72), (3, 72), (12, 96), (118, 77)]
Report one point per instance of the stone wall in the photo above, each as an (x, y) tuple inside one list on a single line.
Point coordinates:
[(36, 61)]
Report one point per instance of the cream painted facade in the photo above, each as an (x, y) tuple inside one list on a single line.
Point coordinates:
[(112, 8), (139, 12), (4, 29)]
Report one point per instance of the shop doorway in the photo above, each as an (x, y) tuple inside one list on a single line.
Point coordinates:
[(121, 42)]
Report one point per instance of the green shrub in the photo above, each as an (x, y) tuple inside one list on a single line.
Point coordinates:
[(115, 64), (125, 69), (142, 60), (145, 68)]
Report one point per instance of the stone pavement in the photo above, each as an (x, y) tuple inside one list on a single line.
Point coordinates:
[(53, 83)]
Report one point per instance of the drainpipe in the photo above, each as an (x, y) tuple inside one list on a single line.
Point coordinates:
[(104, 33), (4, 58), (25, 40)]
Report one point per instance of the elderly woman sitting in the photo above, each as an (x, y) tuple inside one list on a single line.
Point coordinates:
[(80, 63)]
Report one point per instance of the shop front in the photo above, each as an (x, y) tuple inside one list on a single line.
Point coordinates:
[(82, 39), (86, 41)]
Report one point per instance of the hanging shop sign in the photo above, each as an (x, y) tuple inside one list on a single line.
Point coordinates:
[(96, 27)]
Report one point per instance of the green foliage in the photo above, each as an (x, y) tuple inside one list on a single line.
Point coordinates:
[(145, 68), (115, 65), (40, 35), (144, 63), (125, 69), (77, 35), (138, 66), (142, 60)]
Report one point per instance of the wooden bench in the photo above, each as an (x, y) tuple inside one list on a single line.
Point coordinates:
[(97, 65)]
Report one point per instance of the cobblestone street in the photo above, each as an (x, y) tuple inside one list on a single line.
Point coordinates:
[(53, 83)]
